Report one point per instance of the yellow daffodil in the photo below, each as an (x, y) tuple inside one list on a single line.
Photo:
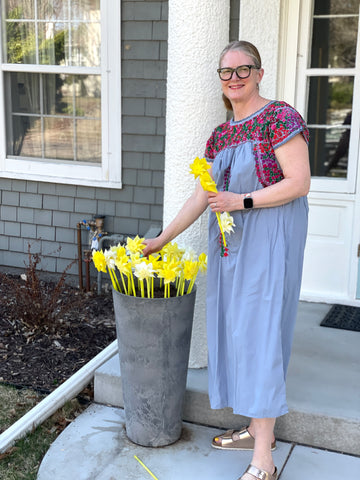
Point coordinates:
[(169, 270), (135, 245), (172, 250), (208, 183), (99, 260), (199, 167), (136, 258), (190, 269), (202, 262), (174, 265), (227, 222), (123, 264), (120, 250), (155, 260)]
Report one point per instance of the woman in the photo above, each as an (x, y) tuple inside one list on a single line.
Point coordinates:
[(261, 167)]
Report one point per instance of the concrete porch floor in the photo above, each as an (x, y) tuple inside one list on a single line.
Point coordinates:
[(323, 397)]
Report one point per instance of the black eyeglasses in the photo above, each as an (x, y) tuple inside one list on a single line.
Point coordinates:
[(243, 71)]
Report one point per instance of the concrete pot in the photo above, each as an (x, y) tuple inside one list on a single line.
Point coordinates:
[(154, 343)]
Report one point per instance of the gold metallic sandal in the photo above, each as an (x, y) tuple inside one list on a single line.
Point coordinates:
[(226, 441), (260, 474)]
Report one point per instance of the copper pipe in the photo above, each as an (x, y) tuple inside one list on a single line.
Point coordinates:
[(78, 226), (87, 260)]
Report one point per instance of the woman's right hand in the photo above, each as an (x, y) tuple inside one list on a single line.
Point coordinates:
[(153, 245)]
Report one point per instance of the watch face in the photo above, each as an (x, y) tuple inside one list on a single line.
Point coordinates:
[(248, 202)]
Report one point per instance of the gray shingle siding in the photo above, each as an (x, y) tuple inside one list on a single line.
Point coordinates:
[(46, 214)]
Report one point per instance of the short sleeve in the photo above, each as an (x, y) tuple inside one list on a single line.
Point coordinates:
[(210, 148), (285, 123)]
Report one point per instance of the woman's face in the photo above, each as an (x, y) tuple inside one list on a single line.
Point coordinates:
[(237, 89)]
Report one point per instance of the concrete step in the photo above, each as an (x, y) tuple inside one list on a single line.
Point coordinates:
[(323, 388), (95, 447)]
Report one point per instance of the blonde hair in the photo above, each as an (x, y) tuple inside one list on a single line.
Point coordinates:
[(245, 47)]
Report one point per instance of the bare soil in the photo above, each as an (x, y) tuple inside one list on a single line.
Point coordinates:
[(43, 358)]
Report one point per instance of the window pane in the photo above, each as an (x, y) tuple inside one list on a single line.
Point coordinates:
[(326, 7), (60, 40), (72, 95), (88, 141), (330, 99), (330, 103), (24, 136), (85, 45), (85, 10), (334, 42), (54, 116), (25, 92), (53, 43), (59, 138), (57, 94), (329, 150), (87, 99), (52, 9), (20, 44), (19, 9)]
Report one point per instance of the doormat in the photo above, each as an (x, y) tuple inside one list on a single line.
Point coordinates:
[(344, 317)]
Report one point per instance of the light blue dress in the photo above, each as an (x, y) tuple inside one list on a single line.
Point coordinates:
[(253, 293)]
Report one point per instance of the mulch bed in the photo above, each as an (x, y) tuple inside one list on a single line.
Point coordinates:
[(44, 358)]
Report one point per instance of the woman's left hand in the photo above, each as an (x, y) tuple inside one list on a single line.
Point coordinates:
[(224, 201)]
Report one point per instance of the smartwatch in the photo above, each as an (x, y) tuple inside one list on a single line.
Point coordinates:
[(248, 201)]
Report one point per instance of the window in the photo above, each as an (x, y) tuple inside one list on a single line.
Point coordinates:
[(57, 77), (329, 82)]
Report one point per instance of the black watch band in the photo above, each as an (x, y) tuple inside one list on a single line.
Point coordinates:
[(248, 201)]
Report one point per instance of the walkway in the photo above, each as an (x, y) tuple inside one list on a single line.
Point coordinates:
[(324, 402)]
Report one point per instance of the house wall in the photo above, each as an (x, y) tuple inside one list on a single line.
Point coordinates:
[(45, 214)]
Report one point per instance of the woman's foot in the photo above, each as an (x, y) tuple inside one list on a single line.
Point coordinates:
[(237, 440), (253, 472)]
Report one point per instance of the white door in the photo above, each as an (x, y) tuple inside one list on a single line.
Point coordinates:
[(327, 94)]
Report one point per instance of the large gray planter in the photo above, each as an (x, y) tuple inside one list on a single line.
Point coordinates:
[(154, 343)]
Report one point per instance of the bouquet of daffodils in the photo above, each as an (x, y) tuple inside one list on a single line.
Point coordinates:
[(199, 168), (172, 265)]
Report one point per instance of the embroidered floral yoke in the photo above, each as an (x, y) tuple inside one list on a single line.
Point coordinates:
[(253, 293)]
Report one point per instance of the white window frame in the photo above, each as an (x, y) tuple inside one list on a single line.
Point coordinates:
[(108, 173), (327, 184)]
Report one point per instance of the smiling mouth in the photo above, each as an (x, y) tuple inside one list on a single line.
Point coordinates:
[(235, 87)]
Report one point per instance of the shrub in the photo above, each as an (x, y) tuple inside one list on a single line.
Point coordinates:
[(38, 305)]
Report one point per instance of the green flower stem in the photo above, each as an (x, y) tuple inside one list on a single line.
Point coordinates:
[(148, 286), (142, 288), (193, 280), (221, 228), (179, 283), (114, 280), (124, 284), (133, 284)]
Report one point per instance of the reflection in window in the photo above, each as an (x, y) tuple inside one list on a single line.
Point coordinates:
[(329, 148), (52, 32), (53, 116), (329, 116), (334, 37), (49, 115), (334, 42), (336, 7)]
